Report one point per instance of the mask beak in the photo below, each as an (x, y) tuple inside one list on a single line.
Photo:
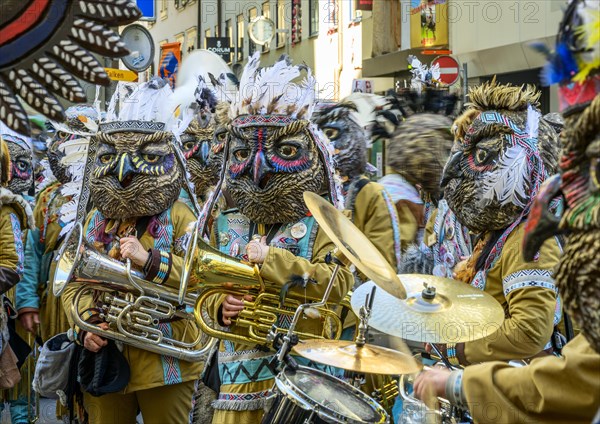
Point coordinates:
[(204, 150), (451, 170), (125, 167), (541, 223), (261, 169)]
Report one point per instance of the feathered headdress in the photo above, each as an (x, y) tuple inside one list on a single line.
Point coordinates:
[(422, 75), (82, 123), (269, 91), (204, 81), (575, 61), (147, 107)]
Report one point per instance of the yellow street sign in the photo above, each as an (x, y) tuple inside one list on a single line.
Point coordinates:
[(121, 74)]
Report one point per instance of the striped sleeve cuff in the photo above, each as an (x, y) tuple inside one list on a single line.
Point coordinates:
[(454, 389), (528, 278), (158, 266)]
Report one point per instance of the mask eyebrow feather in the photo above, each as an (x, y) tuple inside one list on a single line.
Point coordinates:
[(291, 128), (488, 131)]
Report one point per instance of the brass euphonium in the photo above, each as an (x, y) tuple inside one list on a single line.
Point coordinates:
[(132, 306), (210, 272)]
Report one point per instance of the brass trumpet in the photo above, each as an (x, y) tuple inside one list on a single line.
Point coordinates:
[(259, 315)]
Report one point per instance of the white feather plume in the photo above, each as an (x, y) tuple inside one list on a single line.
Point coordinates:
[(509, 181), (246, 88), (271, 90), (47, 178), (75, 157), (533, 122), (272, 82), (200, 63), (306, 100)]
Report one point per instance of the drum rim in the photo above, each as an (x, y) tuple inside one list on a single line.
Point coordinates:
[(291, 391)]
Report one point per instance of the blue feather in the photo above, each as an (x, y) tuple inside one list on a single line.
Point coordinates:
[(561, 66)]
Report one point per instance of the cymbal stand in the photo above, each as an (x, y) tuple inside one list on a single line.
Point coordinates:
[(364, 314), (287, 341), (358, 379)]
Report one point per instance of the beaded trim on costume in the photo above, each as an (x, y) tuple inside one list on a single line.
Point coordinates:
[(18, 238), (240, 401), (528, 278), (254, 120), (133, 126)]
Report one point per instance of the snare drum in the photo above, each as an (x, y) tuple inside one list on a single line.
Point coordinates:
[(311, 396)]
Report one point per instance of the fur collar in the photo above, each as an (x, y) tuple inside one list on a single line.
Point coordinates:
[(23, 208)]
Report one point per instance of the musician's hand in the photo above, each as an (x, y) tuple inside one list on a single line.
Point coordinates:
[(131, 248), (94, 342), (231, 307), (431, 383), (257, 250), (30, 321)]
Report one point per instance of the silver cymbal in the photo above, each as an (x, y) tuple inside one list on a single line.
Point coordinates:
[(456, 313)]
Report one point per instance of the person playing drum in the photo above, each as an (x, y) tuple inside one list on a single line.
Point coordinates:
[(502, 153), (567, 388)]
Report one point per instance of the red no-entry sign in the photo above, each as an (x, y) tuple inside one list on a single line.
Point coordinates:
[(449, 69)]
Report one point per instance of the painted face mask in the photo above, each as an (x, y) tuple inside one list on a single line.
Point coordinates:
[(347, 138), (270, 167), (21, 162), (136, 171), (578, 272), (501, 154), (275, 152), (82, 120), (203, 144), (135, 174)]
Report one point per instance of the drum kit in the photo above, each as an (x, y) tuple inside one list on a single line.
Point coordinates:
[(420, 308)]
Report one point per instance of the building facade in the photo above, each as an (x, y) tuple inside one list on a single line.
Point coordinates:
[(344, 40)]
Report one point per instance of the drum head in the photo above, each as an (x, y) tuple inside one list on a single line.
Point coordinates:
[(333, 398)]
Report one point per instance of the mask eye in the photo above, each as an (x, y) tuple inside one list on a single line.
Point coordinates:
[(189, 145), (332, 133), (287, 151), (481, 156), (22, 165), (107, 158), (222, 136), (242, 154), (61, 135), (595, 172), (150, 158)]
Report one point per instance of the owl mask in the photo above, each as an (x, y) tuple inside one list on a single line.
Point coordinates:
[(203, 141), (502, 152), (270, 166), (347, 138), (135, 173), (82, 121), (578, 272), (21, 162), (275, 152), (419, 149)]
